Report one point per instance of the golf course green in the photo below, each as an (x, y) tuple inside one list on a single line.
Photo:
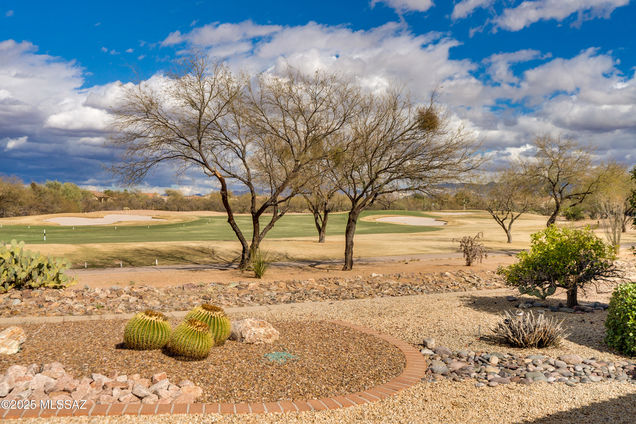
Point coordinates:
[(201, 229)]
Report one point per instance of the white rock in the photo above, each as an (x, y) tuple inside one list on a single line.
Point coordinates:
[(42, 382), (140, 391), (4, 389), (160, 385), (11, 339), (253, 330)]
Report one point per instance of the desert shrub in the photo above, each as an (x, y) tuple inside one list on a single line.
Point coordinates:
[(22, 269), (574, 213), (259, 262), (561, 257), (620, 324), (524, 329), (472, 248)]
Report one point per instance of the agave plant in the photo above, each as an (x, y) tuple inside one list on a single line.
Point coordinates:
[(147, 330), (216, 320), (191, 340)]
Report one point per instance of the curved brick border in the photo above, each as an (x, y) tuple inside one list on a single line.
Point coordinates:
[(414, 370)]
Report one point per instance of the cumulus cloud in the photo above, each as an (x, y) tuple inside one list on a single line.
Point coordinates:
[(465, 8), (402, 6), (529, 12), (584, 96)]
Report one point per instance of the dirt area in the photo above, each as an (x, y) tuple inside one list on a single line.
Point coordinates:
[(455, 320), (170, 276), (330, 360), (411, 220)]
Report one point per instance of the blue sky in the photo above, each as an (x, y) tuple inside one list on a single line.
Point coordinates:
[(508, 70)]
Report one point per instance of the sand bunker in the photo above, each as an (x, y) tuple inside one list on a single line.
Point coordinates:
[(412, 220), (107, 219), (452, 213)]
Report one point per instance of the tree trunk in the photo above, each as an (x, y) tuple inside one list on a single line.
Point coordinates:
[(509, 235), (245, 251), (350, 232), (322, 232), (553, 217), (572, 299)]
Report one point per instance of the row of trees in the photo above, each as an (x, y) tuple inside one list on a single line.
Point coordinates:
[(288, 135), (562, 172)]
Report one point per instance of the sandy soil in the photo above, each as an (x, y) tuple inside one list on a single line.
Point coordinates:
[(68, 221), (169, 276), (411, 220), (167, 216)]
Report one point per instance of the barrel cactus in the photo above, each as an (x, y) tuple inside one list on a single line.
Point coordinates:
[(191, 339), (147, 330), (215, 318)]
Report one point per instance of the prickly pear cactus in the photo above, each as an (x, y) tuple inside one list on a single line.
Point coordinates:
[(21, 269), (147, 330), (191, 340), (216, 319)]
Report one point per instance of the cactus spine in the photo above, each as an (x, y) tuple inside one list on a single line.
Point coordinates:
[(147, 330), (191, 339), (216, 320)]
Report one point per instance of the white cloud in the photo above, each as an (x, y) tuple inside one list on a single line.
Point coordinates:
[(499, 64), (8, 13), (129, 50), (217, 33), (13, 143), (529, 12), (406, 5), (465, 8)]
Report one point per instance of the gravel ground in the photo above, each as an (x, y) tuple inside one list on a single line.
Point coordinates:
[(455, 320), (331, 360)]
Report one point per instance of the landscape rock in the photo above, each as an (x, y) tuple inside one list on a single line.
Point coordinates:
[(11, 339), (251, 330)]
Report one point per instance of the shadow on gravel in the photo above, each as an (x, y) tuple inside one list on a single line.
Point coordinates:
[(621, 410), (585, 329)]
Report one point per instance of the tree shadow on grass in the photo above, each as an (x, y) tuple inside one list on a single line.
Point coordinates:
[(146, 256), (620, 410), (586, 329)]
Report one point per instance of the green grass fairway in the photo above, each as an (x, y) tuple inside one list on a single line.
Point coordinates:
[(202, 229)]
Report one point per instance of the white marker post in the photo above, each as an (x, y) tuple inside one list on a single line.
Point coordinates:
[(156, 262), (44, 235), (85, 265)]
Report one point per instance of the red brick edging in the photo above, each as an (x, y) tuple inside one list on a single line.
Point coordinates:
[(414, 370)]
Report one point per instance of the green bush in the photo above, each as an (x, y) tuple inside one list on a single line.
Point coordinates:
[(574, 213), (22, 269), (621, 319), (561, 257), (260, 262)]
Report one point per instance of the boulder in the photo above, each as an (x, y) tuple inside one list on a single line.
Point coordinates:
[(11, 339), (255, 331)]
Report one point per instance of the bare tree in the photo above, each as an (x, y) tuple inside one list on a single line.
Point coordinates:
[(393, 146), (322, 200), (612, 200), (262, 133), (561, 168), (507, 199)]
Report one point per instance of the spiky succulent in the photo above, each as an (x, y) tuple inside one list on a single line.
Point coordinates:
[(147, 330), (216, 320), (191, 339)]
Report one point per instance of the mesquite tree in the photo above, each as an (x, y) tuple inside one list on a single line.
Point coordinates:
[(561, 168), (262, 132), (507, 199), (394, 146)]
